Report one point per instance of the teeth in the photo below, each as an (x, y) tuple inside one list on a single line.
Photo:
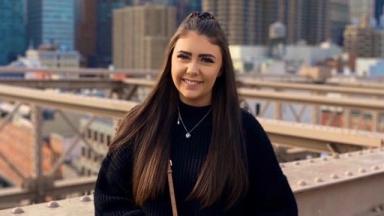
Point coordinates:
[(191, 82)]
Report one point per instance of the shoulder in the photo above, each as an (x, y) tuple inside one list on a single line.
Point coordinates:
[(256, 139), (249, 122), (123, 152), (120, 158)]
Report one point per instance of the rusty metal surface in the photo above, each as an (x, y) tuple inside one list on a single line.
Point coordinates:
[(342, 185), (58, 187), (346, 184), (69, 207)]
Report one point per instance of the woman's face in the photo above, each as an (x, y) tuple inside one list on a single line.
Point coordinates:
[(196, 64)]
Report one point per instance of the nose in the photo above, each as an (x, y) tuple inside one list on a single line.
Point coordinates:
[(192, 68)]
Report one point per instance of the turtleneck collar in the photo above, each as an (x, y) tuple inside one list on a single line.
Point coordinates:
[(192, 114), (185, 108)]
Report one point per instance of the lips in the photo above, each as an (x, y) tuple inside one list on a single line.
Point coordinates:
[(191, 82)]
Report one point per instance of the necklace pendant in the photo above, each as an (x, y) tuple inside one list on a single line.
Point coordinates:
[(187, 135), (178, 122)]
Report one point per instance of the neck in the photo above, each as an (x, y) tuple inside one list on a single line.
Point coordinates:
[(195, 103)]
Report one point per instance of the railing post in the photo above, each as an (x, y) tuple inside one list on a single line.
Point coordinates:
[(278, 109), (316, 111), (347, 118), (37, 149), (375, 121)]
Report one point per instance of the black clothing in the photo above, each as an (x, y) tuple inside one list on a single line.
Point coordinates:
[(269, 192)]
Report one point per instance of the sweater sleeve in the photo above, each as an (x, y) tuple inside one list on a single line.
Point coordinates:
[(269, 193), (113, 193)]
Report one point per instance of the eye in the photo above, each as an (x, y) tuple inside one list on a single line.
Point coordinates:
[(207, 60), (182, 56)]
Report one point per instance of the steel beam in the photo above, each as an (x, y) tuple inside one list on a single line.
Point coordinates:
[(97, 106), (344, 185), (317, 137), (349, 184), (311, 87), (116, 108), (357, 103), (83, 83), (81, 71)]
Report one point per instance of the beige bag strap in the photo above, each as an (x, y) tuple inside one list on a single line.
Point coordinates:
[(171, 189)]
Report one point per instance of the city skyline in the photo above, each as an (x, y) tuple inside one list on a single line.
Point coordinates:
[(86, 25)]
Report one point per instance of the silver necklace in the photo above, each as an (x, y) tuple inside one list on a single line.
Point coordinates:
[(188, 132)]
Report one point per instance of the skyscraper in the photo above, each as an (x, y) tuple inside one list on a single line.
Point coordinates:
[(51, 21), (244, 22), (140, 35), (104, 29), (183, 7), (12, 30), (306, 20), (291, 14), (316, 21), (363, 40), (379, 4), (360, 9), (85, 41), (339, 18)]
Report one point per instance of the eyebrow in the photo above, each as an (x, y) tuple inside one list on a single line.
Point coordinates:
[(200, 55)]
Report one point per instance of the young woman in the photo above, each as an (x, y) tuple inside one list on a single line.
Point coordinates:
[(222, 160)]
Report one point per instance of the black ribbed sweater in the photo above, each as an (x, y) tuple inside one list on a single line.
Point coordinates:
[(269, 193)]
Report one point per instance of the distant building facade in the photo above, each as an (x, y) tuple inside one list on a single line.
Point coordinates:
[(104, 14), (254, 59), (55, 58), (307, 20), (51, 21), (363, 40), (244, 22), (85, 40), (370, 67), (99, 135), (361, 9), (13, 40), (183, 7), (379, 4), (140, 35), (339, 19), (247, 22)]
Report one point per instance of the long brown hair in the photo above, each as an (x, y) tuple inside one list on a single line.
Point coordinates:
[(146, 127)]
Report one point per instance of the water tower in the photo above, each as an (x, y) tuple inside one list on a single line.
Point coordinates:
[(276, 40)]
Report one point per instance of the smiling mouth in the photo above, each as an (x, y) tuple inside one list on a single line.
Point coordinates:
[(188, 81)]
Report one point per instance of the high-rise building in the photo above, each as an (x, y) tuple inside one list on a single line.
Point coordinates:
[(306, 20), (104, 29), (140, 35), (51, 21), (363, 40), (360, 9), (12, 30), (85, 41), (379, 4), (339, 18), (291, 14), (244, 22), (183, 7)]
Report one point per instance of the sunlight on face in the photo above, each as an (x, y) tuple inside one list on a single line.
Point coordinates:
[(196, 63)]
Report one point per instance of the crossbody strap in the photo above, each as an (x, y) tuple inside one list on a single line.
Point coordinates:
[(171, 189)]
